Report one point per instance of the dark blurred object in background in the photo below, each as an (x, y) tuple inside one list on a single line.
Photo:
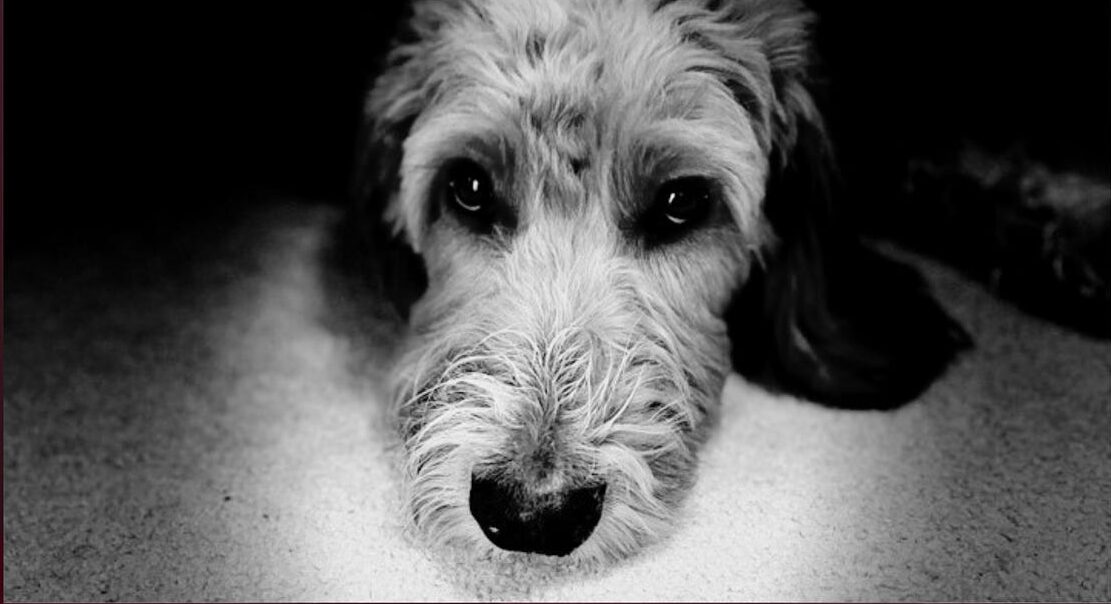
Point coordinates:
[(1036, 237)]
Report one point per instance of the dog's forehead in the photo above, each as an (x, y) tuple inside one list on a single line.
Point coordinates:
[(564, 62), (580, 84), (579, 101)]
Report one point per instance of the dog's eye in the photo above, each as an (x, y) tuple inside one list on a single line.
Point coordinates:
[(468, 193), (469, 188), (683, 200), (679, 205)]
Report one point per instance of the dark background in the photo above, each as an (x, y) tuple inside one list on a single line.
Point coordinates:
[(134, 118)]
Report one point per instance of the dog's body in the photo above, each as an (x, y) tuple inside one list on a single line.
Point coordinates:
[(590, 212)]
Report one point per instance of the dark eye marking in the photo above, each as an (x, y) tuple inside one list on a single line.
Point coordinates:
[(469, 194), (678, 207)]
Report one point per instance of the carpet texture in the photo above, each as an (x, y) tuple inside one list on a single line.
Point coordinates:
[(188, 424)]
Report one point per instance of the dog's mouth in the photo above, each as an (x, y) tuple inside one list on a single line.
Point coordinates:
[(553, 524)]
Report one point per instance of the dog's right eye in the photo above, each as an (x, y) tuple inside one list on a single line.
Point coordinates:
[(469, 188), (470, 196)]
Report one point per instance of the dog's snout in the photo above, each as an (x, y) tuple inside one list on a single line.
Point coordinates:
[(551, 524)]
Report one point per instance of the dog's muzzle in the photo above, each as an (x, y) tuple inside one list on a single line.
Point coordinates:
[(551, 524)]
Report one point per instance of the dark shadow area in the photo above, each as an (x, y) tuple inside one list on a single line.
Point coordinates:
[(910, 78), (133, 119), (980, 134)]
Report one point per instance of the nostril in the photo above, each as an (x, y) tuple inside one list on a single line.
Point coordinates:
[(492, 503), (555, 525)]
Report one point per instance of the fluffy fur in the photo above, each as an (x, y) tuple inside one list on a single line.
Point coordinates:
[(565, 351)]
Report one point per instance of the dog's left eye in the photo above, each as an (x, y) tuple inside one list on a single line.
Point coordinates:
[(679, 205), (683, 200)]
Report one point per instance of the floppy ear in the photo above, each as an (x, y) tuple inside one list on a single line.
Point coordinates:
[(823, 317), (371, 246)]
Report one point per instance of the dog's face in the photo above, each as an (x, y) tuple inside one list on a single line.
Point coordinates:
[(583, 181)]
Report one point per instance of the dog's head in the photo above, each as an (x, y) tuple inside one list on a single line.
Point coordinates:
[(564, 198)]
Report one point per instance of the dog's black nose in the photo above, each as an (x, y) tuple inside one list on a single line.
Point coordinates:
[(553, 524)]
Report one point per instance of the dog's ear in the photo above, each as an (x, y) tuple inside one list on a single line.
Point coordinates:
[(371, 244), (822, 316)]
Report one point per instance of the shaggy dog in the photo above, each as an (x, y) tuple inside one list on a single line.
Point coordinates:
[(588, 213)]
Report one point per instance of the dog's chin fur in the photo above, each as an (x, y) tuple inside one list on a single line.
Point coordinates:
[(565, 349)]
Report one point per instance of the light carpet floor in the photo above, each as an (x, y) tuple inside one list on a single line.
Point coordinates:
[(185, 426)]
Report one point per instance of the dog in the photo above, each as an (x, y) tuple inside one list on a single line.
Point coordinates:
[(587, 214)]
